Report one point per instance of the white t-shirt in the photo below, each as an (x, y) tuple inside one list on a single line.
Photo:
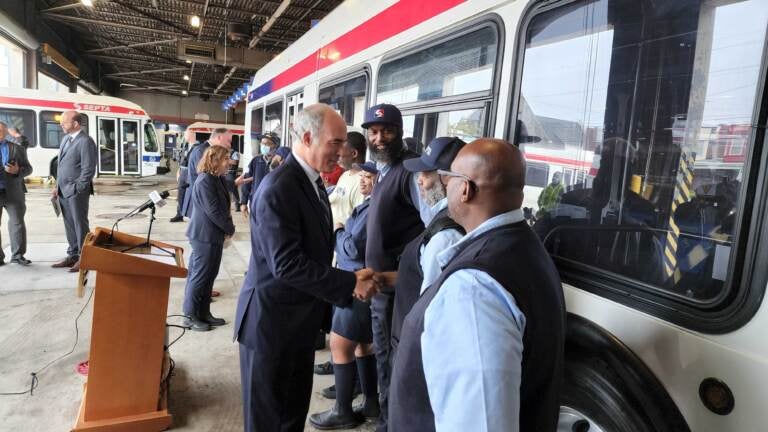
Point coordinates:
[(345, 196)]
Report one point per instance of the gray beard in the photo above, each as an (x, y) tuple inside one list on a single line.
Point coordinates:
[(434, 195)]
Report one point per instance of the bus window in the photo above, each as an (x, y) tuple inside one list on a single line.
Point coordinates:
[(50, 130), (467, 124), (257, 115), (273, 120), (150, 139), (644, 102), (23, 120), (348, 98), (462, 65)]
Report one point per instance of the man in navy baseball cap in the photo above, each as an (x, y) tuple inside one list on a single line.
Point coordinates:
[(394, 219)]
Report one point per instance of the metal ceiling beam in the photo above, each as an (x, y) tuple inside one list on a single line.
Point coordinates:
[(68, 6), (146, 71), (148, 81), (133, 45), (65, 18), (154, 18), (128, 60)]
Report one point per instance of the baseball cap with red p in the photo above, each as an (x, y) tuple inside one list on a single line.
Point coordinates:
[(383, 113)]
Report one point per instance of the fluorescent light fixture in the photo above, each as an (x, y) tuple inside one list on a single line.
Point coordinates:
[(186, 77), (194, 21), (189, 61), (88, 3), (184, 92)]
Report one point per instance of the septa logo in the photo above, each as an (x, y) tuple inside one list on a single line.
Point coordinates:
[(379, 113), (428, 151)]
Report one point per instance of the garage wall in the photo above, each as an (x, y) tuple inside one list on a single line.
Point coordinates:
[(182, 110)]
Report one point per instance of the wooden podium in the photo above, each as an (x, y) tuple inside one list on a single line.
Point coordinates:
[(123, 392)]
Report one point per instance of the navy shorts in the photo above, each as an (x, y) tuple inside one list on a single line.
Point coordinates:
[(353, 322)]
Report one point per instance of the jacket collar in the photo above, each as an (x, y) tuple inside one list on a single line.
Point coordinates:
[(309, 190)]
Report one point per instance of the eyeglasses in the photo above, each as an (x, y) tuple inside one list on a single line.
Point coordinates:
[(445, 173)]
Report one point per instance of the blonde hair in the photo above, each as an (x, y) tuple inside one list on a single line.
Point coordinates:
[(212, 159)]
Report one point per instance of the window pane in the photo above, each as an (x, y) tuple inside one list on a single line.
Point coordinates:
[(347, 98), (465, 124), (107, 145), (130, 146), (22, 120), (11, 64), (273, 121), (458, 66), (48, 84), (50, 130), (257, 115), (643, 116), (150, 139)]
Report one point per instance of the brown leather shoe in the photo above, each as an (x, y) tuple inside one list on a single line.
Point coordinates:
[(66, 262), (75, 267)]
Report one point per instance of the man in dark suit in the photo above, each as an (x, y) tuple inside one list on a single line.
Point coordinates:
[(290, 277), (182, 176), (14, 166), (220, 137), (77, 166)]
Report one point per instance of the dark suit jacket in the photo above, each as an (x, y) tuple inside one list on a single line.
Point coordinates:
[(290, 275), (77, 165), (257, 169), (211, 218), (14, 184), (194, 157)]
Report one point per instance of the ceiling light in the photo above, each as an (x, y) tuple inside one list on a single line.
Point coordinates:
[(88, 3), (186, 77), (189, 61), (194, 21), (184, 92)]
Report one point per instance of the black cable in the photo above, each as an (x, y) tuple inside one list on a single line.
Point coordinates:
[(183, 331), (34, 382)]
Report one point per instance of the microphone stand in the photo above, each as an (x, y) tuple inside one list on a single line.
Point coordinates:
[(149, 233)]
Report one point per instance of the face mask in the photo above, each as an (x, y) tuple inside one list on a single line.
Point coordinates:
[(264, 149)]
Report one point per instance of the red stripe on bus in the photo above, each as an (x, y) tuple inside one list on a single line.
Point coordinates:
[(393, 20), (558, 160), (77, 106)]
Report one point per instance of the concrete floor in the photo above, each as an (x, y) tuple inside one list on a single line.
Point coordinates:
[(38, 307)]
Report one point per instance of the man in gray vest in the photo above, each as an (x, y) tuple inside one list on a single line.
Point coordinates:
[(14, 166), (482, 348), (74, 185)]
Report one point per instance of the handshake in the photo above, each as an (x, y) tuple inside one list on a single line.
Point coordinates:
[(369, 283)]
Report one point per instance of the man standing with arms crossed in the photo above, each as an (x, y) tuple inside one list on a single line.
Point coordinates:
[(78, 157)]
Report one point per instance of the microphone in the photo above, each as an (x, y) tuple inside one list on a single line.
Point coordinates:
[(155, 199)]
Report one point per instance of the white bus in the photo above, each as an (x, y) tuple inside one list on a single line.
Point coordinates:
[(659, 233), (203, 131), (122, 130)]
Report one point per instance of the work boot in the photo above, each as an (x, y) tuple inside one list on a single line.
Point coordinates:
[(324, 368), (335, 419), (177, 218), (212, 320)]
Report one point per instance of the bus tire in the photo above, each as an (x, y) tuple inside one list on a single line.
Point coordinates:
[(53, 167), (609, 387)]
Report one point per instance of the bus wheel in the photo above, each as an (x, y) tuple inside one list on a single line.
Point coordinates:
[(592, 400)]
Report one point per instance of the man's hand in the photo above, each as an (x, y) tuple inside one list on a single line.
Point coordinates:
[(55, 191), (241, 180), (12, 169), (366, 287), (386, 278), (338, 226), (244, 210)]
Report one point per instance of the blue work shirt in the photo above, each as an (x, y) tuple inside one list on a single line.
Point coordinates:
[(424, 209), (439, 242), (350, 240), (474, 322), (4, 154)]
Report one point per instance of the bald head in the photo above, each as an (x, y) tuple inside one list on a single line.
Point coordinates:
[(496, 169), (71, 121)]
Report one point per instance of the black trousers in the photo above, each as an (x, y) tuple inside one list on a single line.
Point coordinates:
[(233, 189), (182, 191), (277, 386), (382, 306), (204, 265)]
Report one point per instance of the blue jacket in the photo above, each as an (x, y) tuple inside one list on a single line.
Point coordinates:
[(258, 169), (211, 219), (194, 157), (350, 240), (290, 278)]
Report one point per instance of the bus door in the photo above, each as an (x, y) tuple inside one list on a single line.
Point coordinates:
[(150, 159), (130, 149), (295, 104), (106, 139)]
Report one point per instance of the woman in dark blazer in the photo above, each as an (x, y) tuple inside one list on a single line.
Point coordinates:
[(210, 224)]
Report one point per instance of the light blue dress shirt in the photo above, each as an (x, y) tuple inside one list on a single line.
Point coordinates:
[(4, 155), (438, 243), (472, 347), (424, 209)]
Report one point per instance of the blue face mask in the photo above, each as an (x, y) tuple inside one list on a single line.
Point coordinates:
[(264, 149)]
